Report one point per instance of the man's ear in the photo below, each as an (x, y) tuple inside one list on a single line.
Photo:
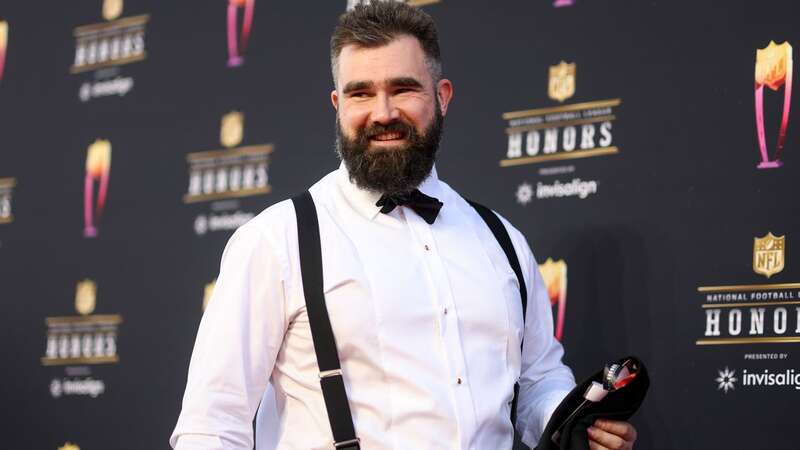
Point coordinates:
[(444, 89), (335, 99)]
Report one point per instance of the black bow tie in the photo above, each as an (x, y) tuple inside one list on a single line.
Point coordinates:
[(425, 206)]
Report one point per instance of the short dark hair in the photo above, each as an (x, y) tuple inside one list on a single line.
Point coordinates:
[(380, 22)]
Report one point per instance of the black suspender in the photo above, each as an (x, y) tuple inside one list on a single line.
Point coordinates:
[(330, 371), (501, 234)]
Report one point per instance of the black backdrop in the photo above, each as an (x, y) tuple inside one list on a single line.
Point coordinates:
[(675, 209)]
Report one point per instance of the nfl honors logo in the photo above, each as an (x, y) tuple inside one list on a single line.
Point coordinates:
[(561, 84), (87, 339), (762, 313), (115, 42), (769, 254), (563, 132), (233, 172)]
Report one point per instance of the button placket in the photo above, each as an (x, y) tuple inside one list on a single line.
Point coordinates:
[(447, 319)]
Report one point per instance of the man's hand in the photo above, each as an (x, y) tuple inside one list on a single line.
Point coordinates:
[(611, 435)]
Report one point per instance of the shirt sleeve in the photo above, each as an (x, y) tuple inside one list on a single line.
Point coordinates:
[(237, 342), (544, 379)]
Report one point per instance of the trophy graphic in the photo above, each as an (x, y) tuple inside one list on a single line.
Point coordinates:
[(554, 274), (98, 166), (3, 43), (773, 69), (238, 42), (560, 3)]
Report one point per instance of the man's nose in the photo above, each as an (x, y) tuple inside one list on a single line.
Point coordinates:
[(384, 110)]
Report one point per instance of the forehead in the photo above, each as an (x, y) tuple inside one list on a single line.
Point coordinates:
[(402, 57)]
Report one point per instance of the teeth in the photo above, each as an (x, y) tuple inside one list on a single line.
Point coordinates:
[(387, 136)]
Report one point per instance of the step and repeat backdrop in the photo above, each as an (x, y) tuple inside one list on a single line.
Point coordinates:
[(647, 150)]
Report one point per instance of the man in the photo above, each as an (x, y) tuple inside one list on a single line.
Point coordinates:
[(426, 310)]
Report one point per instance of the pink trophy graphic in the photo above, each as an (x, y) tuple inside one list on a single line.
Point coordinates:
[(773, 69), (98, 167), (238, 42), (560, 3)]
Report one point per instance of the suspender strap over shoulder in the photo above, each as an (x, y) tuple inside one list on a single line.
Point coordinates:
[(501, 234), (330, 371)]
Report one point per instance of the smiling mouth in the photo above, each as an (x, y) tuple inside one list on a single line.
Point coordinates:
[(389, 136)]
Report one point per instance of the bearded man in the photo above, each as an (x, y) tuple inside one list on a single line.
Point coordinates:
[(385, 310)]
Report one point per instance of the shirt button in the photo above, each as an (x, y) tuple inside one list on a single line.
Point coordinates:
[(458, 380), (427, 248), (445, 311)]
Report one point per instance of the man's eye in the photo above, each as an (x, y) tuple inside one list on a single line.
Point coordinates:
[(359, 95)]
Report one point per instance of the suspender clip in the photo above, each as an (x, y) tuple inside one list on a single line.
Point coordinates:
[(330, 373), (354, 444)]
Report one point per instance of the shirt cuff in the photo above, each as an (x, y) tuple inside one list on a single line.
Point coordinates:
[(198, 442), (547, 406)]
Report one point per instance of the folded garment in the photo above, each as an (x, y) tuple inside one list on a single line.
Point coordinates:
[(614, 393)]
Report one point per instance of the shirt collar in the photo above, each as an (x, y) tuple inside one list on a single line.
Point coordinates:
[(363, 200)]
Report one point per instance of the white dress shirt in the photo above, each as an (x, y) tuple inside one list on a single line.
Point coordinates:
[(427, 321)]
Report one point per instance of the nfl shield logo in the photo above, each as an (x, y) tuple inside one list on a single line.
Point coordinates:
[(85, 297), (561, 85), (112, 9), (232, 129), (769, 254)]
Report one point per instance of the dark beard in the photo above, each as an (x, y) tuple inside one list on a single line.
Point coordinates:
[(390, 170)]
